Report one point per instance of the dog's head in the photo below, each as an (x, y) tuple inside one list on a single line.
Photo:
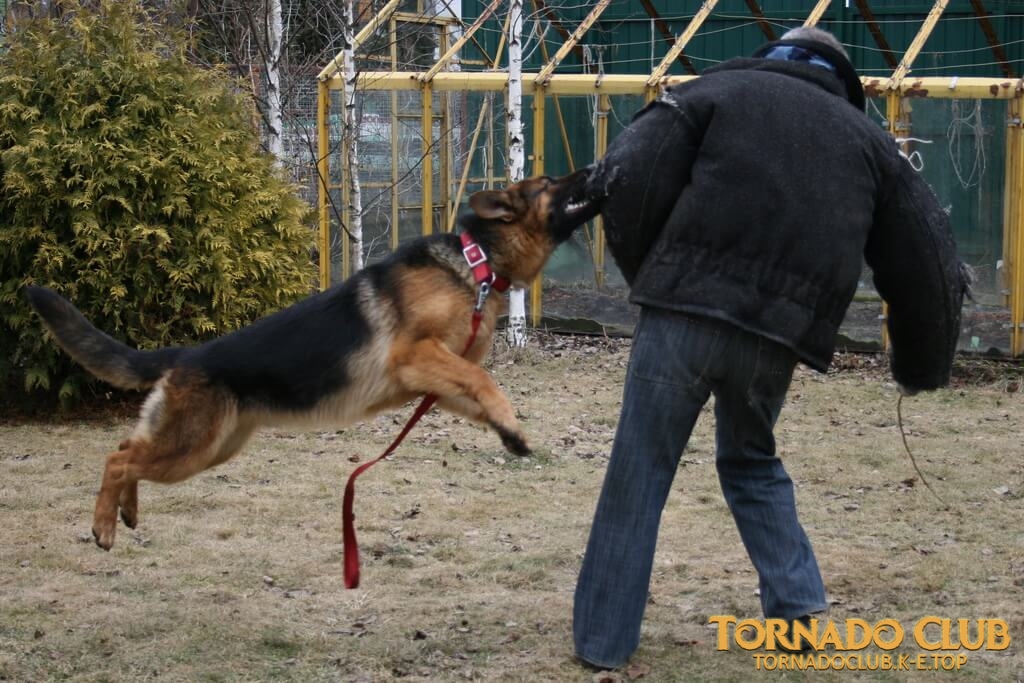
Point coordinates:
[(520, 226)]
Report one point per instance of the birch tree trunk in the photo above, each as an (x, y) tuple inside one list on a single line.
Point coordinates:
[(272, 67), (355, 199), (516, 332)]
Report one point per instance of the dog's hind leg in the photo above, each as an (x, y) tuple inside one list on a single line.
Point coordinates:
[(112, 491), (428, 367), (189, 427), (128, 502)]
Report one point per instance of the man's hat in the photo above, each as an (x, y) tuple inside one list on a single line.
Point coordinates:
[(843, 68)]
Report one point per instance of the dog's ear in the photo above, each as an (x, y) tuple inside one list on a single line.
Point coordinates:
[(493, 205)]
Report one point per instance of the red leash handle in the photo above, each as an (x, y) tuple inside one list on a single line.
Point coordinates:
[(351, 546)]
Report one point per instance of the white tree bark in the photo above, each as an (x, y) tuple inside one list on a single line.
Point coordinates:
[(355, 198), (272, 68), (516, 332)]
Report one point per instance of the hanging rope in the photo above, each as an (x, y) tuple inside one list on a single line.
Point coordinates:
[(906, 447), (971, 124), (915, 159)]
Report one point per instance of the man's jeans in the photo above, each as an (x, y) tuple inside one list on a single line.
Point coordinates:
[(677, 362)]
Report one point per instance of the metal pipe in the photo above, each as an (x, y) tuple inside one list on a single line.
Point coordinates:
[(427, 133), (684, 38), (323, 103), (931, 87), (915, 45), (537, 286), (545, 73), (334, 66)]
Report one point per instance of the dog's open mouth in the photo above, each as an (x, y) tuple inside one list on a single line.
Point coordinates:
[(574, 206), (582, 206)]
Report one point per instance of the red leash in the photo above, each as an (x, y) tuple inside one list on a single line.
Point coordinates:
[(486, 280)]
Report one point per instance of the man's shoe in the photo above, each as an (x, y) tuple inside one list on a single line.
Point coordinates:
[(590, 666), (805, 647)]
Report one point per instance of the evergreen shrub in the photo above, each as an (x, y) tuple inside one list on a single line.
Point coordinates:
[(133, 182)]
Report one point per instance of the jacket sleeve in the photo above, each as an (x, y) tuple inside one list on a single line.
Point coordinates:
[(913, 256), (641, 177)]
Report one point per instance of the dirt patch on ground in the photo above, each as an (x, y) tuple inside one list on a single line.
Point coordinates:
[(470, 554)]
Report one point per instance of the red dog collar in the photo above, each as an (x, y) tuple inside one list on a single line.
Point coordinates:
[(477, 260)]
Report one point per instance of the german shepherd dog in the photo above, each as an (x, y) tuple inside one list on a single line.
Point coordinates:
[(390, 333)]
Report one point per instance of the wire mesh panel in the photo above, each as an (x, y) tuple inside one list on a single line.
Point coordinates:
[(583, 290), (959, 147), (408, 139), (375, 176), (478, 146), (299, 132)]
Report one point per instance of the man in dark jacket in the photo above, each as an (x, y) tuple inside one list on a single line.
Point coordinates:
[(740, 207)]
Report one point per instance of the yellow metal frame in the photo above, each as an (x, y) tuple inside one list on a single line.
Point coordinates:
[(549, 68), (819, 10), (453, 209), (453, 50), (378, 20), (930, 22), (897, 90), (323, 104), (684, 38), (932, 87), (536, 287), (604, 105), (1013, 226)]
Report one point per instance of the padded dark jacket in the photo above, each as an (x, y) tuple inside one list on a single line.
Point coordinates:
[(754, 193)]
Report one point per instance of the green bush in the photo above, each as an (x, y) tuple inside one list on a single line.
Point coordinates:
[(133, 182)]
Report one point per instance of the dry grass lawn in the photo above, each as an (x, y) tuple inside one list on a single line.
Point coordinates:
[(470, 555)]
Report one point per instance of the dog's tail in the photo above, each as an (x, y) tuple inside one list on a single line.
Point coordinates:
[(103, 356)]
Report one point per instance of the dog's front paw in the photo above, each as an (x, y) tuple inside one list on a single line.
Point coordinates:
[(515, 443)]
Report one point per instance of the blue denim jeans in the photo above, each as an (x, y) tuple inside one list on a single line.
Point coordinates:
[(678, 361)]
